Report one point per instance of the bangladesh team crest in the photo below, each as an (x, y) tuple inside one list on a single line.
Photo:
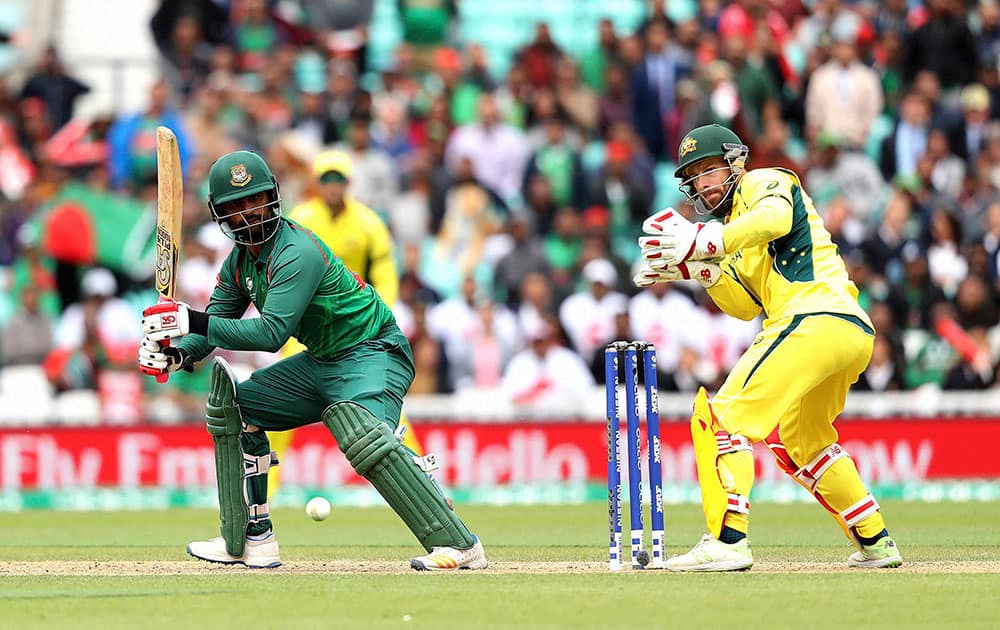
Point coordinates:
[(238, 176), (688, 145)]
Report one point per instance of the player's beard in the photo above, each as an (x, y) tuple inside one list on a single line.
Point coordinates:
[(720, 202), (714, 196), (260, 225), (256, 229), (250, 226)]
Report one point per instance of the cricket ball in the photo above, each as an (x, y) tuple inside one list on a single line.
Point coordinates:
[(318, 508), (642, 558)]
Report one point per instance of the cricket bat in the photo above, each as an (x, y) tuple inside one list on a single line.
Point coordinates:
[(169, 203)]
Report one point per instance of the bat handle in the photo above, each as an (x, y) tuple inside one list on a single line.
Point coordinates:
[(163, 378)]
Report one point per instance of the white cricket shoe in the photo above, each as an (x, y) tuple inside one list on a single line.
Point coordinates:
[(884, 554), (257, 554), (450, 559), (711, 554)]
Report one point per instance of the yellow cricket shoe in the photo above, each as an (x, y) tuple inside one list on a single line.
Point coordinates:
[(884, 554), (711, 554)]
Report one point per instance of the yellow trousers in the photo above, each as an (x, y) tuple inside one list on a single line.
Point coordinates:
[(795, 378)]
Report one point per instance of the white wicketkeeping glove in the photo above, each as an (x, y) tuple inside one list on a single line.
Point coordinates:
[(705, 273), (673, 239)]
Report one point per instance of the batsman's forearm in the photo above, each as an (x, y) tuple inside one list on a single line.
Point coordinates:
[(226, 301), (293, 285), (266, 333)]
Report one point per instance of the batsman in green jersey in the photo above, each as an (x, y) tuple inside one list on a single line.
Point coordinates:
[(352, 377)]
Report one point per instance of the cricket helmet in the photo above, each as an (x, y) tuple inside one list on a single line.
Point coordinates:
[(711, 141), (235, 176)]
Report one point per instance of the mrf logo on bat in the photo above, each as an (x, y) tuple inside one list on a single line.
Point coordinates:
[(166, 259)]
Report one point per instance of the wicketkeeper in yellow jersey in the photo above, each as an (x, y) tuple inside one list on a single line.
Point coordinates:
[(361, 240), (767, 251)]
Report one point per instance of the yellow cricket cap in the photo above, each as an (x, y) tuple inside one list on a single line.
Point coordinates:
[(332, 161)]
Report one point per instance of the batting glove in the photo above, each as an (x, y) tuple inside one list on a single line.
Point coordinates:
[(674, 239), (705, 273), (155, 359), (166, 320)]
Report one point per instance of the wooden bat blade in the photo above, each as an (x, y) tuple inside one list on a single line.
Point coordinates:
[(170, 200)]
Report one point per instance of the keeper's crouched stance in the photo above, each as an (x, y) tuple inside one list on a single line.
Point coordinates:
[(352, 377), (769, 253)]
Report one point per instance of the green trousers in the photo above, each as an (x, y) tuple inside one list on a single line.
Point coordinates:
[(295, 391)]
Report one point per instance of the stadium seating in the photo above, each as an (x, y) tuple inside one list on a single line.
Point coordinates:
[(25, 396), (119, 68), (504, 27), (79, 407)]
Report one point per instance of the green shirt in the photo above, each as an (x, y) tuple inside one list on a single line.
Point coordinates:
[(756, 88), (928, 361), (562, 254), (465, 104), (258, 38), (556, 163), (425, 22), (592, 67), (301, 289)]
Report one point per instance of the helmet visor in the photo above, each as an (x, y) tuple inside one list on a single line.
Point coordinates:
[(246, 220), (711, 199)]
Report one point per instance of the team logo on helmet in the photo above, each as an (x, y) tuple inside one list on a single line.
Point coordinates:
[(238, 176), (688, 145)]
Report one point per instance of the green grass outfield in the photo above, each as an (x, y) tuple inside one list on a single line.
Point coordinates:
[(129, 570)]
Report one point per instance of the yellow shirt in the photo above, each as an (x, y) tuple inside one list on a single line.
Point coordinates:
[(781, 259), (359, 238)]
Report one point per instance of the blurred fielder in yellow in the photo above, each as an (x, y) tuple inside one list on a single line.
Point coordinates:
[(361, 240), (767, 252)]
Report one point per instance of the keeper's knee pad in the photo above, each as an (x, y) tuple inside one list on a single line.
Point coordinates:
[(810, 475)]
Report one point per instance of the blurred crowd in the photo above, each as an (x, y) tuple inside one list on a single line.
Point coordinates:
[(514, 197)]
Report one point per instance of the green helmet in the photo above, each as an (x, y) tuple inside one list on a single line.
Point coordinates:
[(710, 141), (237, 175)]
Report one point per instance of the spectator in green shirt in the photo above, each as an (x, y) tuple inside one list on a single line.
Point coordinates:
[(592, 64), (426, 25)]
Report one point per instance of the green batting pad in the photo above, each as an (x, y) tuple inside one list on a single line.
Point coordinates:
[(224, 423), (379, 457)]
